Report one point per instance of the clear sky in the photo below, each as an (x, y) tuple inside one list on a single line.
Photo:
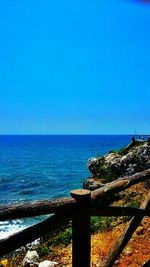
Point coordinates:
[(74, 67)]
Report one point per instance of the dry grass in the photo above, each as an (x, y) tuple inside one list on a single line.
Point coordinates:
[(135, 254)]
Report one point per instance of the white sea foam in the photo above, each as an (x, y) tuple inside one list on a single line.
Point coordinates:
[(8, 228), (11, 227)]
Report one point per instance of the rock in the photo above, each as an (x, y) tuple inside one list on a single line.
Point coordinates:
[(47, 263), (31, 258), (33, 245), (128, 161), (94, 163), (92, 184)]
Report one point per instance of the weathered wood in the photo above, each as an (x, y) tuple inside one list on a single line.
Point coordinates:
[(108, 211), (30, 234), (35, 208), (125, 237), (67, 205), (119, 185), (81, 240)]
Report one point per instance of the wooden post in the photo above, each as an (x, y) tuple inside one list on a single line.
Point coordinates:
[(81, 239)]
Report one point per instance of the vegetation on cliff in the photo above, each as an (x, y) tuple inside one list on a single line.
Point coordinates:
[(124, 162), (105, 230)]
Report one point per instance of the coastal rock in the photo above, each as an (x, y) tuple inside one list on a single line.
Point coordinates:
[(92, 184), (31, 258), (94, 163), (129, 160), (47, 263)]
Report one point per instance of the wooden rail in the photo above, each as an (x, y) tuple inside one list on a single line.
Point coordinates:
[(78, 208)]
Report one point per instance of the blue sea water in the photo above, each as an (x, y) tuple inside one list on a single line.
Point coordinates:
[(35, 167)]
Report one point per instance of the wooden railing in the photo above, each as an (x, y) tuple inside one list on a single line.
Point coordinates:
[(78, 208)]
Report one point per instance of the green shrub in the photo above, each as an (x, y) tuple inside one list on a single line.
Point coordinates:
[(112, 151), (96, 224), (107, 174), (108, 223), (123, 151), (64, 237), (61, 237), (43, 251), (133, 201), (102, 223)]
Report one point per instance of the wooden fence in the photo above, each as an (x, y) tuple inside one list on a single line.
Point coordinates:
[(78, 208)]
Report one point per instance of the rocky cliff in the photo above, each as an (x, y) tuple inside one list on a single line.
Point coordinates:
[(125, 162)]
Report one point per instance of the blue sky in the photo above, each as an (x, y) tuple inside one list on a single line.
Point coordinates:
[(74, 67)]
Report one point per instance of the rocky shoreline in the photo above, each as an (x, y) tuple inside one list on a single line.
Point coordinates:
[(116, 164)]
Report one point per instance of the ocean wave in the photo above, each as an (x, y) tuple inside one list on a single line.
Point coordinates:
[(8, 228), (11, 227)]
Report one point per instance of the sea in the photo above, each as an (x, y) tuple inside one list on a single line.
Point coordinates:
[(38, 167)]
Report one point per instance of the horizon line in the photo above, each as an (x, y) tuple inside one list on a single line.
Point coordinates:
[(71, 134)]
